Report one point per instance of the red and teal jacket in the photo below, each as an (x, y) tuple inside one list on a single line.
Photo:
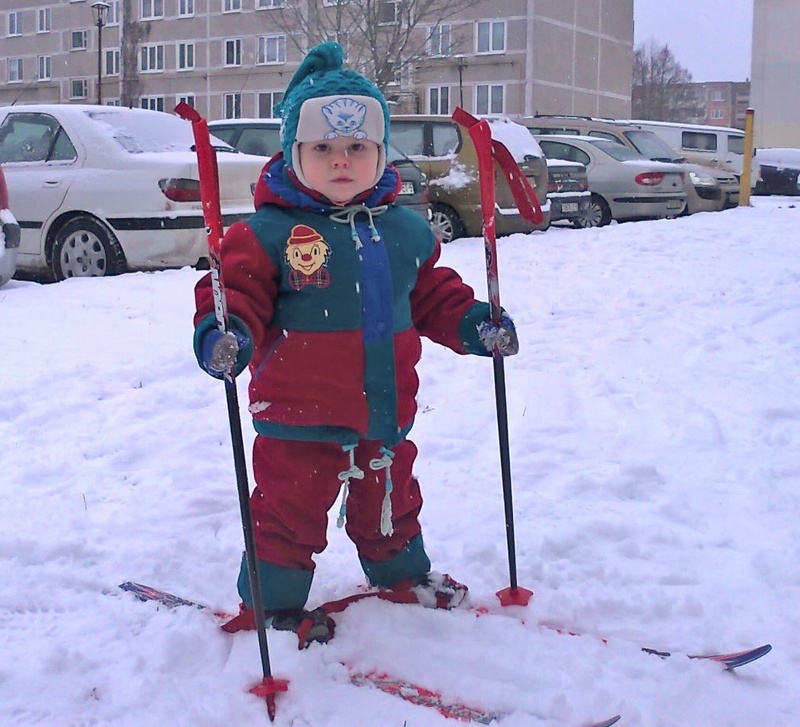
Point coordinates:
[(334, 301)]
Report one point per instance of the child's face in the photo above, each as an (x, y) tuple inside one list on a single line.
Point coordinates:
[(339, 168)]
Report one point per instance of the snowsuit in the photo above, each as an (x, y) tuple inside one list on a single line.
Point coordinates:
[(333, 301)]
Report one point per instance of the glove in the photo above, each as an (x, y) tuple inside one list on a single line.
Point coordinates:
[(501, 338), (220, 350)]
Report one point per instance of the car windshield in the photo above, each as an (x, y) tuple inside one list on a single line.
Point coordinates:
[(394, 155), (616, 150), (138, 133), (651, 146)]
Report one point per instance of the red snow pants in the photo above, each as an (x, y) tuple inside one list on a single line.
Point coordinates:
[(297, 484)]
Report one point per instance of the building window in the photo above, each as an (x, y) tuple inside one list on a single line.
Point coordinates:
[(152, 9), (333, 3), (111, 62), (491, 36), (112, 18), (188, 99), (489, 99), (78, 40), (717, 114), (439, 100), (15, 22), (267, 101), (231, 6), (185, 8), (152, 58), (440, 43), (232, 106), (43, 20), (269, 4), (43, 68), (78, 88), (271, 49), (14, 70), (154, 103), (388, 11), (185, 56), (233, 54)]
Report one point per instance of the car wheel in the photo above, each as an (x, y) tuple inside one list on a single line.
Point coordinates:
[(596, 214), (86, 248), (446, 224)]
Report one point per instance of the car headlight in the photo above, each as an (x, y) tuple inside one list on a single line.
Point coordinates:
[(702, 180)]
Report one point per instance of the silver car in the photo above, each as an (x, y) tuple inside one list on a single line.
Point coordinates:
[(624, 185), (9, 235), (100, 190)]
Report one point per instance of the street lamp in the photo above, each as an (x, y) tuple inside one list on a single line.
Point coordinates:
[(100, 10), (462, 64)]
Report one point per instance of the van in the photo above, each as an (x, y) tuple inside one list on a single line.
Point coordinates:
[(707, 189), (720, 147)]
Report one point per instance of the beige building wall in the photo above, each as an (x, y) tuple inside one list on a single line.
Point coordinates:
[(775, 73), (556, 56)]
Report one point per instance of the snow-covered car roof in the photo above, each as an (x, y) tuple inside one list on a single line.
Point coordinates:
[(777, 157)]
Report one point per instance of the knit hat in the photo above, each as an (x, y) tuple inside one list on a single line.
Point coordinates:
[(325, 101)]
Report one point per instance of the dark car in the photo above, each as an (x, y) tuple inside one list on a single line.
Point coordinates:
[(780, 171), (567, 190), (262, 137), (9, 235)]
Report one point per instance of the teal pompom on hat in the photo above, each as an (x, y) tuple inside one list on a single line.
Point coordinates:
[(325, 101)]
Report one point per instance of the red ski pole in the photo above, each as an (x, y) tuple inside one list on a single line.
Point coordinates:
[(481, 136), (212, 215)]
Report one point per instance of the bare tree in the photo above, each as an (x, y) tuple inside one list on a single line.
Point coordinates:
[(383, 39), (133, 32), (662, 88)]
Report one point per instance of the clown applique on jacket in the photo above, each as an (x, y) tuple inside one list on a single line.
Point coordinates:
[(306, 255)]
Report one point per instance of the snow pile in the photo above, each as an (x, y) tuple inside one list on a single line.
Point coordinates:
[(654, 415), (516, 138), (457, 177)]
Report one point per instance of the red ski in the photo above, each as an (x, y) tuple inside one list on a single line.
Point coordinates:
[(406, 690)]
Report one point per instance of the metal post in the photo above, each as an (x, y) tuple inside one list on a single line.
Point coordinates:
[(100, 10)]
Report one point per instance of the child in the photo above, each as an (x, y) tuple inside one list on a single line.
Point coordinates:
[(329, 286)]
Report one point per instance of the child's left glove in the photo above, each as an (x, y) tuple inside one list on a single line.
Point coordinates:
[(501, 337)]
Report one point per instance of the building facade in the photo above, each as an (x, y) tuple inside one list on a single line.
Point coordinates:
[(233, 58), (775, 73)]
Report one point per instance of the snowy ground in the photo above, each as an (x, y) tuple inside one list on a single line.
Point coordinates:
[(655, 427)]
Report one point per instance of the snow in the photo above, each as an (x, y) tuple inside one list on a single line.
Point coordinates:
[(457, 177), (654, 414), (516, 138)]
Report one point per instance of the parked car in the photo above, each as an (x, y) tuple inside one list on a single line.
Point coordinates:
[(720, 147), (99, 190), (624, 184), (780, 171), (262, 136), (567, 190), (9, 235), (447, 156), (707, 189)]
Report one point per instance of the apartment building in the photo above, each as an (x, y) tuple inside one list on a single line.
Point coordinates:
[(775, 73), (233, 58)]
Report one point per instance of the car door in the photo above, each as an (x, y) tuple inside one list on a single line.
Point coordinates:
[(40, 162)]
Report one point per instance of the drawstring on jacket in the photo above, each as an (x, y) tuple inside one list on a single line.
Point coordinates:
[(348, 216), (354, 472), (349, 474)]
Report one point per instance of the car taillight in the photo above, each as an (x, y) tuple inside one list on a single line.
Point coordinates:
[(180, 190), (650, 179)]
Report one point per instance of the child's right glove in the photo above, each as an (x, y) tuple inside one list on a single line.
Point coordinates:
[(221, 350), (501, 337)]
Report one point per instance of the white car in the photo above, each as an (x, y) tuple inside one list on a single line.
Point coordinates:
[(100, 190), (9, 235)]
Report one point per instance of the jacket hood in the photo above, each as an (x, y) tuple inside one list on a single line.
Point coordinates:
[(278, 185)]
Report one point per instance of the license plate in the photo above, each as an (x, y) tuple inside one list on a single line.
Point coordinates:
[(569, 207), (674, 204), (407, 188)]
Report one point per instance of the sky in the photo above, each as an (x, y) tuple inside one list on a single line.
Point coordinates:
[(709, 38), (654, 429)]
